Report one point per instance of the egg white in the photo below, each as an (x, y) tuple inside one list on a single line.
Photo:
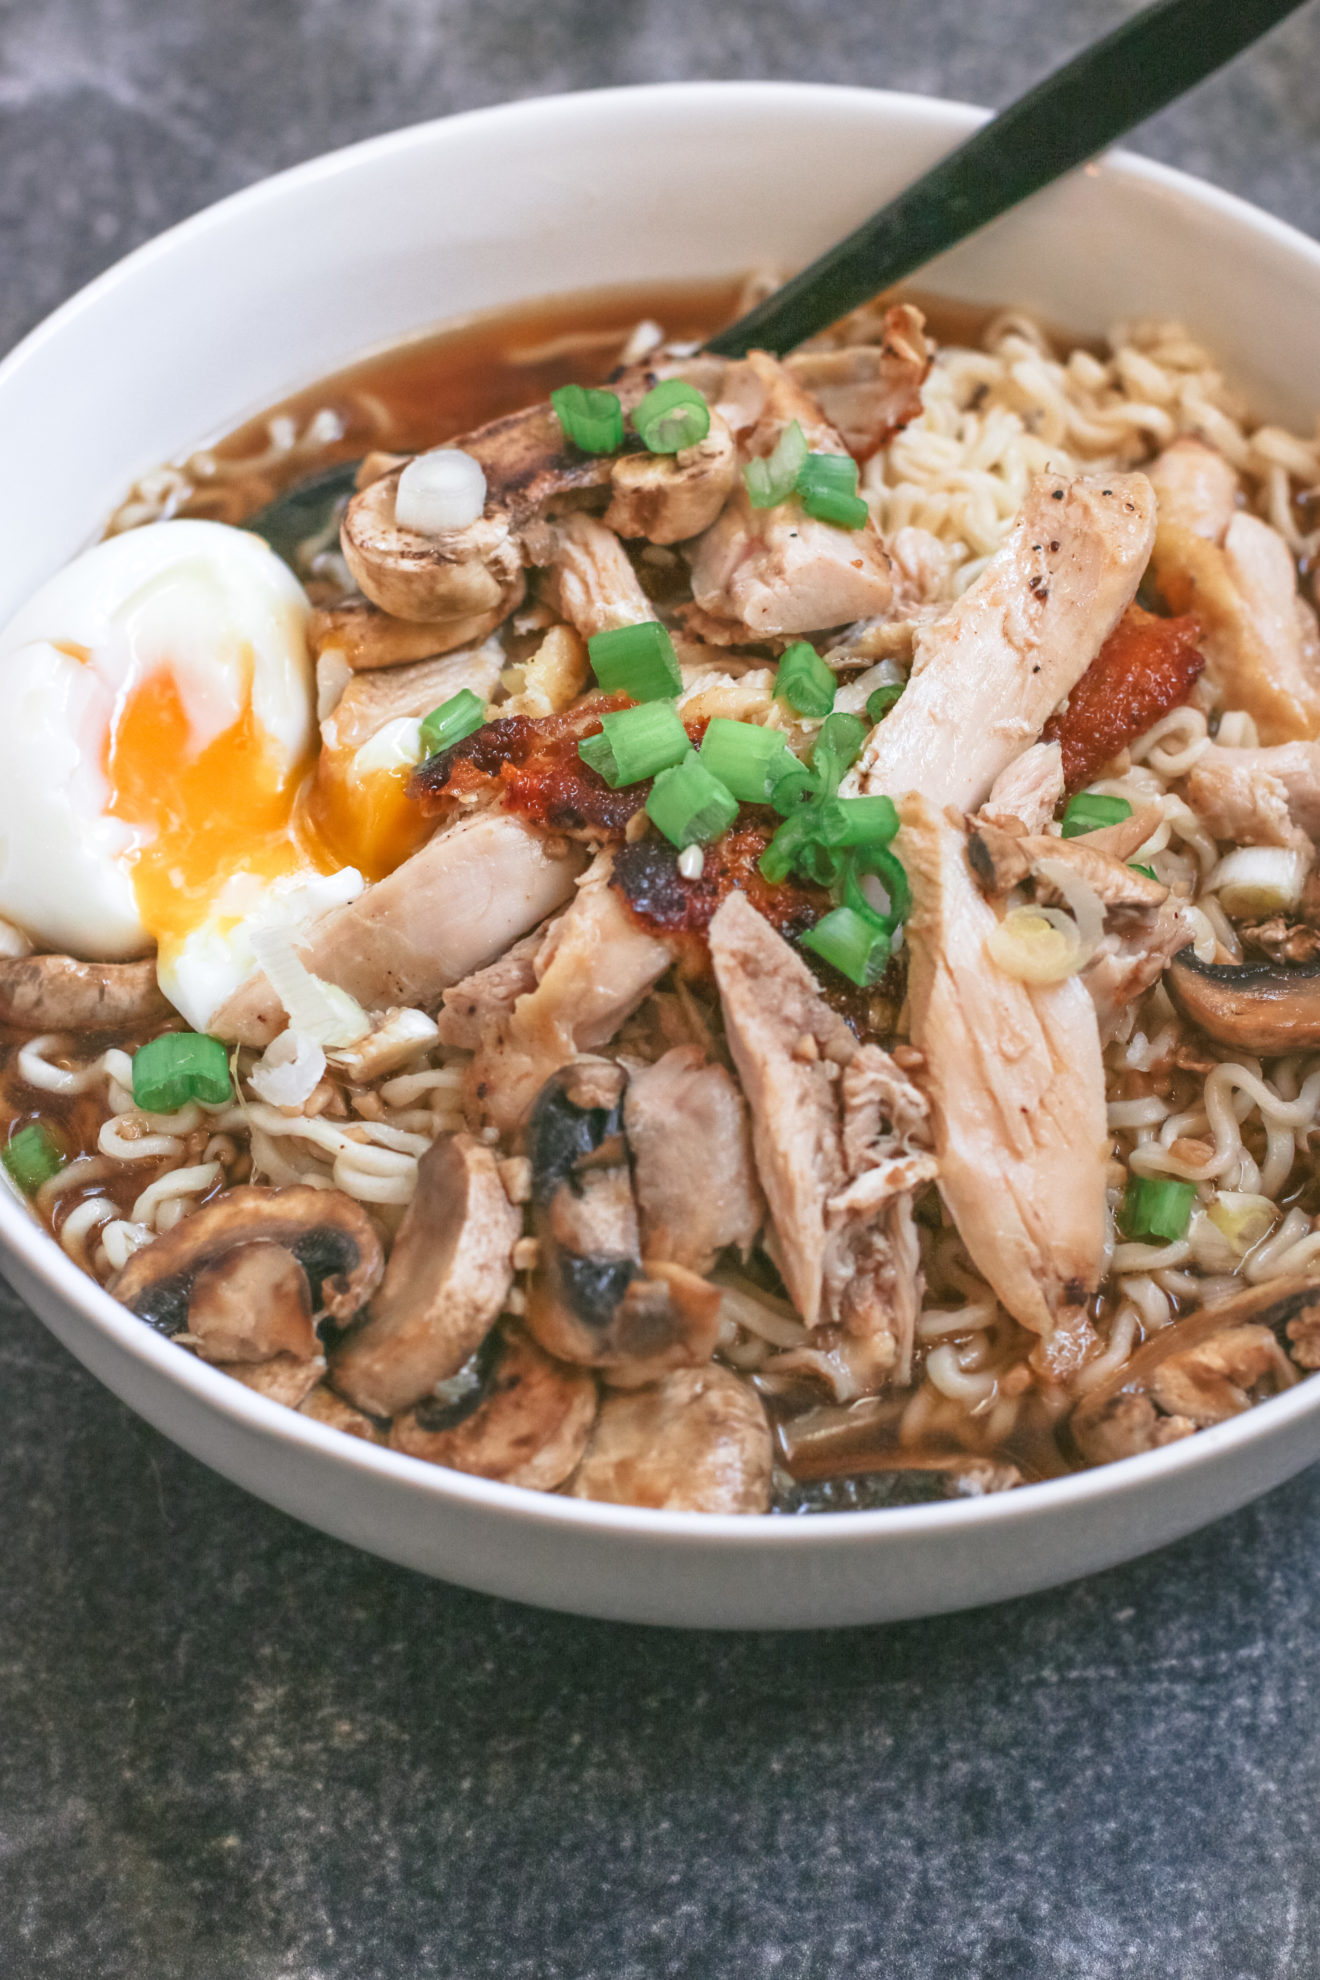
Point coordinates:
[(219, 612)]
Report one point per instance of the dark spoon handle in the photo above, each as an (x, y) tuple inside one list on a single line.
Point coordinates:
[(1111, 86)]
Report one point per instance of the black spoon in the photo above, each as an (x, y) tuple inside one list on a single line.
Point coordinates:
[(1102, 93)]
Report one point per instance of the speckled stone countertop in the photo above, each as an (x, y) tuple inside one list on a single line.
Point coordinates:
[(233, 1750)]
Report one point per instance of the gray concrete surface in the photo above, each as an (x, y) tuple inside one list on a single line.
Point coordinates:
[(233, 1750)]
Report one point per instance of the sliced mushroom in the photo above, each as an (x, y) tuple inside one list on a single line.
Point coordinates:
[(1215, 1364), (1002, 860), (253, 1303), (460, 574), (691, 1146), (592, 1300), (58, 993), (1264, 1007), (285, 1378), (324, 1406), (695, 1441), (327, 1233), (670, 497), (447, 1279), (370, 639), (530, 471), (525, 1420)]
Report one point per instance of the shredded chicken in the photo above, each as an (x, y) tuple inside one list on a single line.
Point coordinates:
[(839, 1135), (989, 672), (779, 571), (1017, 1090)]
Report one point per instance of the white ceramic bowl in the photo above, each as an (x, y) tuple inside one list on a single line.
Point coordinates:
[(295, 277)]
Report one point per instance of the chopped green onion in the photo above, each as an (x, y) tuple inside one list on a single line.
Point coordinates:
[(671, 417), (882, 700), (592, 420), (838, 747), (787, 846), (1149, 871), (638, 661), (32, 1158), (460, 716), (772, 480), (852, 944), (636, 742), (791, 784), (859, 821), (827, 488), (690, 806), (178, 1067), (804, 681), (890, 871), (746, 757), (1090, 812), (1156, 1207)]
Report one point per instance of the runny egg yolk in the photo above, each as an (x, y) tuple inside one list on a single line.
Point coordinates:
[(205, 813), (360, 818)]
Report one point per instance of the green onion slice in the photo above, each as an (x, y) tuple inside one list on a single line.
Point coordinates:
[(32, 1157), (1156, 1207), (1149, 871), (859, 821), (638, 661), (890, 871), (179, 1067), (690, 806), (772, 480), (460, 716), (636, 742), (838, 747), (747, 758), (1090, 812), (882, 700), (592, 420), (792, 784), (671, 417), (827, 488), (804, 681), (852, 944)]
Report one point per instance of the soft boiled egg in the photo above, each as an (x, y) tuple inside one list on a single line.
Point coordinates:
[(157, 720)]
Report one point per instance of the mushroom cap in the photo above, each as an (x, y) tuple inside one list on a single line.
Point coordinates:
[(1259, 1006), (329, 1234), (455, 575)]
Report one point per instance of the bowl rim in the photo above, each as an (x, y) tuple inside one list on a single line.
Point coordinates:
[(44, 1258)]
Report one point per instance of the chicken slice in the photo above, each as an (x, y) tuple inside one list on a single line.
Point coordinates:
[(696, 1441), (488, 994), (386, 694), (779, 571), (1195, 487), (1258, 636), (593, 969), (686, 1125), (1029, 791), (990, 671), (452, 907), (448, 1275), (838, 1133), (1258, 797), (1017, 1087), (869, 392), (597, 587)]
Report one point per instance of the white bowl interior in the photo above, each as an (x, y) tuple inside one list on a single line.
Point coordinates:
[(299, 276)]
